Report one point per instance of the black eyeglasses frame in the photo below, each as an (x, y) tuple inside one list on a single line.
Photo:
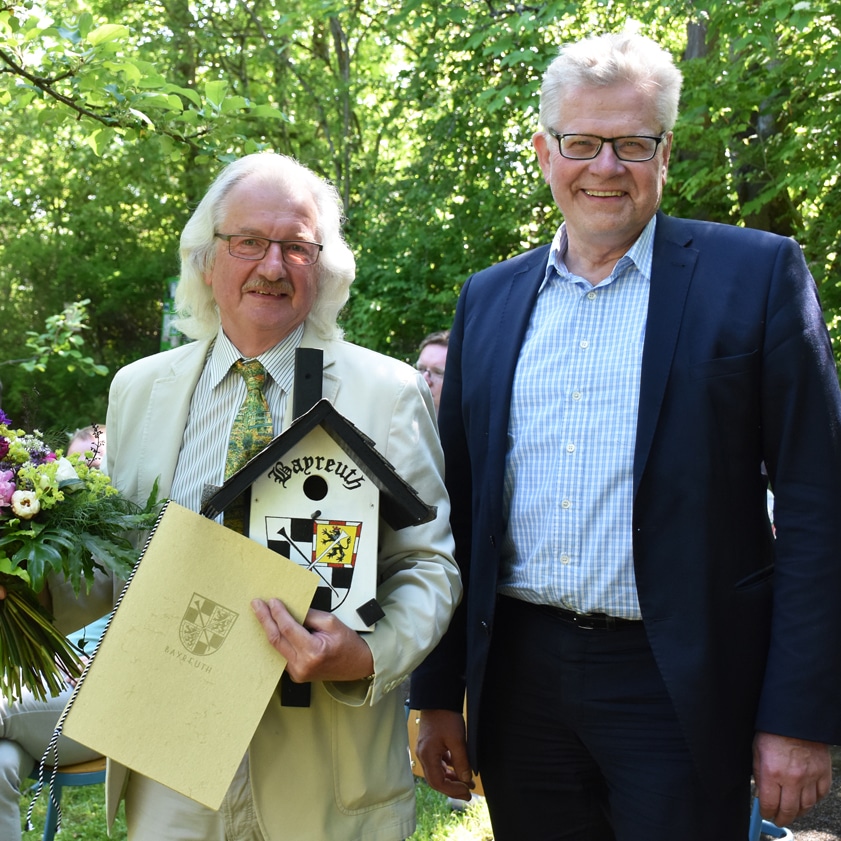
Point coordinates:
[(612, 140)]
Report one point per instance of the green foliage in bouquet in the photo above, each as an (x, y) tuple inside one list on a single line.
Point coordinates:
[(61, 517)]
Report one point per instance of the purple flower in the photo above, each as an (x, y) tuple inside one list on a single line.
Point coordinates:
[(41, 454), (7, 487), (4, 418)]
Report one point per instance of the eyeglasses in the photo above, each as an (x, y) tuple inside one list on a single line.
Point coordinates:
[(585, 147), (295, 252), (434, 373)]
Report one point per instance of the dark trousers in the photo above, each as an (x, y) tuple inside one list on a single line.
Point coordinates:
[(579, 740)]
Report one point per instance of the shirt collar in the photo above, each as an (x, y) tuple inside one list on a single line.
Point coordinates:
[(641, 254), (279, 360)]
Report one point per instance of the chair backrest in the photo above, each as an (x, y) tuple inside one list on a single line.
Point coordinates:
[(87, 773)]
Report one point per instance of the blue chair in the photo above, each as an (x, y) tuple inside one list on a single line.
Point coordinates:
[(82, 774), (760, 827)]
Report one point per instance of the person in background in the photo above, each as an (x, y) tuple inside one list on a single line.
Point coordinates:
[(633, 640), (265, 270), (89, 442), (26, 727), (432, 361)]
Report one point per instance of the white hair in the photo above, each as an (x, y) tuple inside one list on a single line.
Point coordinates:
[(612, 59), (197, 313)]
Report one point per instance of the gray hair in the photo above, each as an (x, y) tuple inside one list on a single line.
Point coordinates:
[(439, 337), (198, 315), (612, 59)]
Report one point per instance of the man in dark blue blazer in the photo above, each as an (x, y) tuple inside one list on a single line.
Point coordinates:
[(633, 639)]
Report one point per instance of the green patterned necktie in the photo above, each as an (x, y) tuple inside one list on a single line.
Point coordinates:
[(250, 432)]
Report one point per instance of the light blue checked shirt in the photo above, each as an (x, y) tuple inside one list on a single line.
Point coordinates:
[(219, 393), (571, 436)]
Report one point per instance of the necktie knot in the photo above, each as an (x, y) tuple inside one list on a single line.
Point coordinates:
[(252, 372)]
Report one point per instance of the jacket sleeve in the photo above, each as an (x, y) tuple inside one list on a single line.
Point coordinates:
[(419, 585), (801, 432)]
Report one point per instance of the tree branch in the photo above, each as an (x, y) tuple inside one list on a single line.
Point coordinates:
[(105, 119)]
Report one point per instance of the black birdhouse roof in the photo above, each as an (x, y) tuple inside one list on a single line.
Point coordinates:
[(400, 505)]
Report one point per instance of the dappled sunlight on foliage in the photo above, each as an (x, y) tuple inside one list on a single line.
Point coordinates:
[(115, 118)]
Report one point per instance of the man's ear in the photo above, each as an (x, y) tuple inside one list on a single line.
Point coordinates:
[(541, 146), (667, 153)]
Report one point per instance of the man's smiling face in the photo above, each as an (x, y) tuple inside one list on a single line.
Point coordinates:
[(262, 301), (605, 202)]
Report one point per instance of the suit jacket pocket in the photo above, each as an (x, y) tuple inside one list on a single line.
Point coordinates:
[(755, 578), (725, 366)]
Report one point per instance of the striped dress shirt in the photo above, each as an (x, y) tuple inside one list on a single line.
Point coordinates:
[(571, 437), (219, 393)]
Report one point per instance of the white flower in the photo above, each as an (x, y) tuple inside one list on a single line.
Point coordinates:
[(25, 504), (66, 475)]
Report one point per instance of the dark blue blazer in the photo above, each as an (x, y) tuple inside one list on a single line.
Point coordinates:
[(737, 370)]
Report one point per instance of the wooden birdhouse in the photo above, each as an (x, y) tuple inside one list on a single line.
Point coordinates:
[(315, 495)]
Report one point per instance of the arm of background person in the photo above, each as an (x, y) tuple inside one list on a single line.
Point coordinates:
[(442, 750)]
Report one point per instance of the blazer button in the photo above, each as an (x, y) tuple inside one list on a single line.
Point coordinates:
[(485, 627), (492, 540)]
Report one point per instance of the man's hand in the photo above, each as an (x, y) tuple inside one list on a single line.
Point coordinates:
[(791, 776), (323, 648), (442, 750)]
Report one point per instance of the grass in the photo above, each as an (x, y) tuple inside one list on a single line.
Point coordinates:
[(83, 817), (437, 822)]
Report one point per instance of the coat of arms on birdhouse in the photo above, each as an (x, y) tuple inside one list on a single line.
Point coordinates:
[(315, 495)]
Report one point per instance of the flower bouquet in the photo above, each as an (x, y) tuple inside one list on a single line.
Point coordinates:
[(58, 516)]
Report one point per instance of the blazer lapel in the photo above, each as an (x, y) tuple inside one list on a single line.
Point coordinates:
[(517, 293), (168, 409), (671, 273)]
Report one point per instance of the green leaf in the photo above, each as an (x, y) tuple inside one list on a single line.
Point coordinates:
[(128, 69), (107, 33), (100, 139), (71, 35), (215, 92), (142, 117), (187, 93), (232, 104), (85, 23), (40, 558), (267, 112)]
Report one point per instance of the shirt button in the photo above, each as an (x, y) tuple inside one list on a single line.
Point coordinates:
[(576, 395), (570, 448), (565, 503), (584, 344), (591, 296), (564, 559)]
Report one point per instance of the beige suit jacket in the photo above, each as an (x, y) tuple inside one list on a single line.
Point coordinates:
[(340, 768)]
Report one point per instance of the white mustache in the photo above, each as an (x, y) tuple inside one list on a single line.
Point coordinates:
[(280, 287)]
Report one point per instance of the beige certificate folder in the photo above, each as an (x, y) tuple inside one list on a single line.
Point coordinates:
[(184, 672)]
